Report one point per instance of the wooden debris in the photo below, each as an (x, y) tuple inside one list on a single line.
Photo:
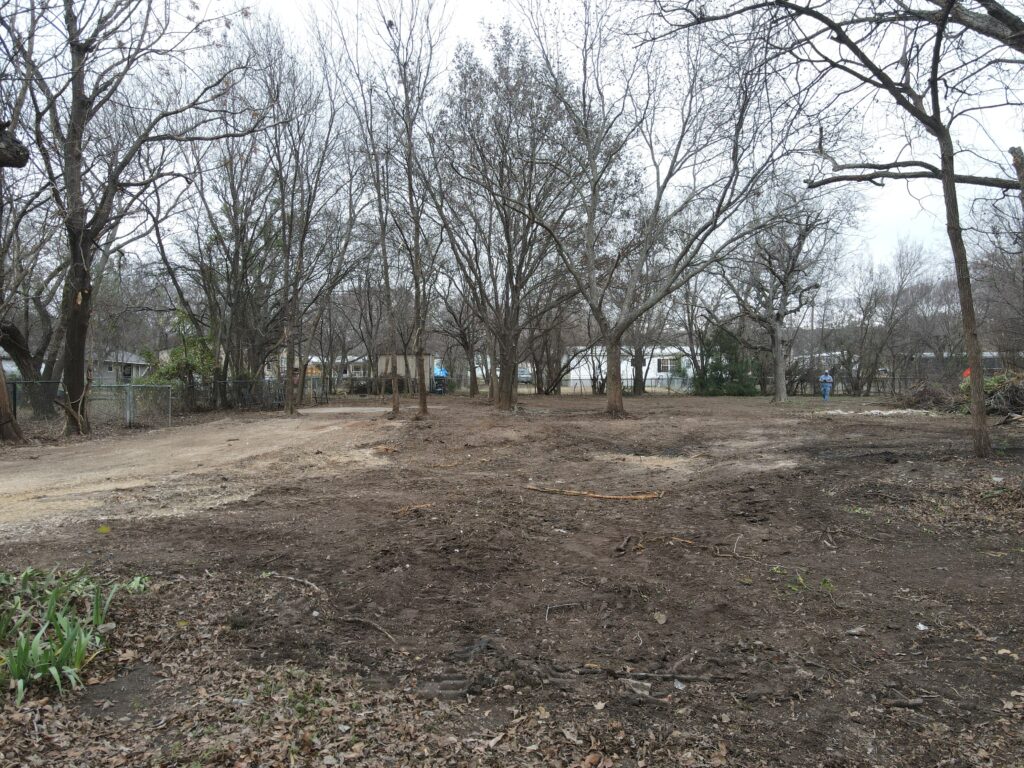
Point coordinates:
[(645, 496), (276, 575), (367, 622)]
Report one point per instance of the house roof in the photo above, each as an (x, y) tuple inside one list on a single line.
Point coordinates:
[(125, 358)]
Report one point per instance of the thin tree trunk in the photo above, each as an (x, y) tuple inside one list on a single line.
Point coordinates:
[(492, 385), (613, 381), (779, 361), (396, 397), (421, 375), (474, 385), (975, 359)]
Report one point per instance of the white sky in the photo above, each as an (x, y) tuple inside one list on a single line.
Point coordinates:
[(889, 214)]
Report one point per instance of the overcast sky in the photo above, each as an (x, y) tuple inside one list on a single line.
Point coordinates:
[(889, 214)]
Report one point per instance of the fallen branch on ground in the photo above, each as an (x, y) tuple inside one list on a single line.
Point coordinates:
[(367, 622), (415, 507), (645, 496), (276, 575)]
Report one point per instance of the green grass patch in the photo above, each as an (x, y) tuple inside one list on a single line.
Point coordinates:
[(52, 624)]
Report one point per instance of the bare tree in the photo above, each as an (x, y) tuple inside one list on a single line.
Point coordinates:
[(411, 32), (777, 273), (658, 169), (496, 153), (108, 83), (934, 65)]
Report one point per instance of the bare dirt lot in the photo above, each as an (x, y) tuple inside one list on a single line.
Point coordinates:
[(800, 585)]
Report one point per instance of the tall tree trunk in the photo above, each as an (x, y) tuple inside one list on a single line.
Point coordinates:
[(779, 362), (613, 383), (975, 359), (76, 336), (10, 432)]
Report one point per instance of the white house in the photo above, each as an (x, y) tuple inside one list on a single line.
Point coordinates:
[(664, 368), (119, 367)]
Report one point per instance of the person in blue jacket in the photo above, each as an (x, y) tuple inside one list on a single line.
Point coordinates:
[(825, 381)]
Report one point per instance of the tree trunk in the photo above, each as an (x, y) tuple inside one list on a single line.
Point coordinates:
[(507, 376), (421, 375), (613, 380), (10, 432), (395, 395), (975, 359), (779, 362), (492, 384), (75, 338), (474, 385), (639, 385)]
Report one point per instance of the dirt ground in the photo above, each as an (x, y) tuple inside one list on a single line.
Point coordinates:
[(801, 585)]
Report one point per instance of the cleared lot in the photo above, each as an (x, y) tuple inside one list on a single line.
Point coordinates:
[(795, 587)]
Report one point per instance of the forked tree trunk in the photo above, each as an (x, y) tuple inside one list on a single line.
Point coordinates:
[(613, 382), (10, 432), (975, 359)]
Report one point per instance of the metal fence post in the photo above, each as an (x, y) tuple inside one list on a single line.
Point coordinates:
[(129, 406)]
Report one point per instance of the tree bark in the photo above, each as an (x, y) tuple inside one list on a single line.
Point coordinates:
[(639, 385), (508, 376), (421, 376), (75, 339), (779, 362), (975, 359), (474, 385), (613, 380), (10, 432)]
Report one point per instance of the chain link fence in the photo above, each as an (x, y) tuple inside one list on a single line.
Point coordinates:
[(36, 405)]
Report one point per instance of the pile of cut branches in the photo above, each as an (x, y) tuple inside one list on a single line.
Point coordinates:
[(931, 397), (1004, 394)]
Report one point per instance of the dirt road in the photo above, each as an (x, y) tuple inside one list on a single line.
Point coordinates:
[(113, 474)]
